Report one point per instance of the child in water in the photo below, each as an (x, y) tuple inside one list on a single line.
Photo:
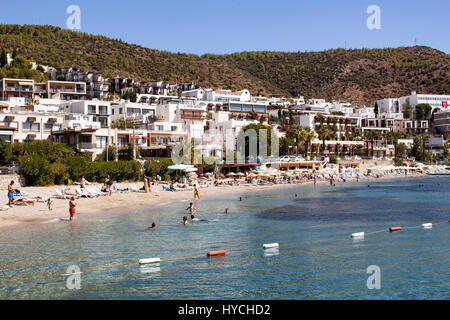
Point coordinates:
[(185, 220)]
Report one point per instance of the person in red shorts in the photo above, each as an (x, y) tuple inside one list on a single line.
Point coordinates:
[(72, 205)]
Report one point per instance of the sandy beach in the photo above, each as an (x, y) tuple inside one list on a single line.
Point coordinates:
[(122, 201)]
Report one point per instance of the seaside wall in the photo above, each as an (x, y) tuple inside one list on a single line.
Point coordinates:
[(7, 178)]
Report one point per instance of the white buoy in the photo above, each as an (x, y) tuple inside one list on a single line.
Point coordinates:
[(270, 245), (427, 225), (358, 235), (150, 260)]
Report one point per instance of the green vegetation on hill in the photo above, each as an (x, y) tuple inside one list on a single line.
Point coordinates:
[(359, 75), (20, 68)]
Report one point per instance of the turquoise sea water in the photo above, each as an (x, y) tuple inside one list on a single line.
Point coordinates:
[(317, 259)]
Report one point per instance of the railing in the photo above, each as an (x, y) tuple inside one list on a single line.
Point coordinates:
[(86, 145)]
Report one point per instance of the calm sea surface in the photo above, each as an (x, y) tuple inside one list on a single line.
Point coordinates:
[(317, 259)]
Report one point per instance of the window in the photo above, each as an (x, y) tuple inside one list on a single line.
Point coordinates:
[(159, 128), (27, 126), (92, 109), (6, 138), (101, 142), (174, 128), (103, 110), (120, 110), (103, 121)]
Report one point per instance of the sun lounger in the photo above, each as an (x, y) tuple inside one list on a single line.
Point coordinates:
[(23, 202), (99, 191), (60, 195)]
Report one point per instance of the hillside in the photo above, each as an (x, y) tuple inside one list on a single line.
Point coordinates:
[(359, 76)]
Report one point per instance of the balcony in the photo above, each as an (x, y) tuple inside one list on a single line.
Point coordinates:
[(86, 145)]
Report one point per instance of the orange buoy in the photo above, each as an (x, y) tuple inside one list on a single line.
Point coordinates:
[(216, 253), (395, 229)]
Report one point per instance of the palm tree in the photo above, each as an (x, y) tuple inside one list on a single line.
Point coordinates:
[(393, 137), (307, 135), (295, 133), (323, 132), (368, 137)]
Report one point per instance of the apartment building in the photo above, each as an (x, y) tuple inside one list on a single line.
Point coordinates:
[(397, 105), (26, 125), (17, 88), (61, 90), (442, 123), (141, 112), (100, 110), (395, 125)]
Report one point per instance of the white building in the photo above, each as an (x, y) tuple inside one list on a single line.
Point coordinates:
[(19, 126), (132, 111), (100, 110), (397, 105)]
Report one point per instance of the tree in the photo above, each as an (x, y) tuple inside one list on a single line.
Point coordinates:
[(295, 133), (285, 144), (393, 138), (402, 150), (3, 58), (5, 152), (423, 111), (307, 135), (257, 127), (407, 111), (108, 154), (323, 133), (130, 95), (418, 150)]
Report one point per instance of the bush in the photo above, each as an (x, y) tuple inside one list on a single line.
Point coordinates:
[(35, 169), (118, 171), (333, 158), (77, 167), (109, 154), (5, 152), (152, 168), (59, 173), (126, 154)]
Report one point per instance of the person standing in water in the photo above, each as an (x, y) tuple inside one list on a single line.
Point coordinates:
[(72, 205), (185, 220), (196, 192), (192, 210)]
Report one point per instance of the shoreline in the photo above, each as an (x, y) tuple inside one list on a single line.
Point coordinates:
[(20, 216)]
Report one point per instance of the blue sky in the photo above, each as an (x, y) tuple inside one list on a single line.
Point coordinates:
[(212, 26)]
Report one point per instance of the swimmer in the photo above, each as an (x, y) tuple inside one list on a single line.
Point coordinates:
[(191, 208), (185, 220), (240, 198), (153, 227), (193, 218), (296, 195), (226, 210)]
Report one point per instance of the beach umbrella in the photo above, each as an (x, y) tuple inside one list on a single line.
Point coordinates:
[(190, 170), (231, 174), (240, 174), (179, 167)]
